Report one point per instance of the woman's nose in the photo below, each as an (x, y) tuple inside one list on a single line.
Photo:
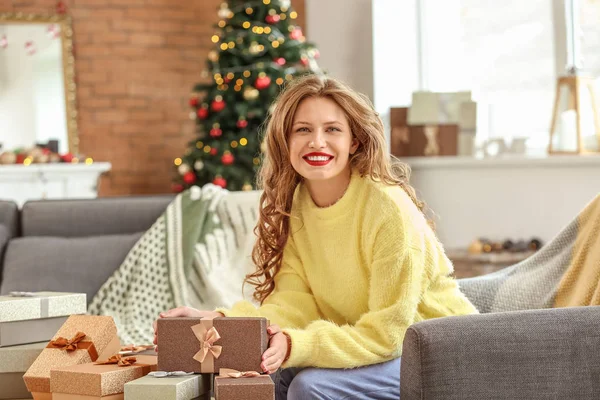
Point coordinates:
[(318, 139)]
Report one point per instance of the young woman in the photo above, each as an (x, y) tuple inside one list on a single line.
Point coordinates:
[(346, 261)]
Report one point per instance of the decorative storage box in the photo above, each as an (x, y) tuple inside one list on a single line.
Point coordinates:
[(207, 345), (82, 339), (14, 361), (94, 382), (235, 385), (27, 317), (188, 387)]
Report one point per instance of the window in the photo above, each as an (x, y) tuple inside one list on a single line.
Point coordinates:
[(501, 51), (590, 36), (509, 54)]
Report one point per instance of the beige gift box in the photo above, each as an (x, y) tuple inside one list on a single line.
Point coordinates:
[(187, 387), (99, 343), (27, 317), (94, 382), (14, 361)]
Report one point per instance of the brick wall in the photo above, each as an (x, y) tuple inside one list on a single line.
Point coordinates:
[(136, 62)]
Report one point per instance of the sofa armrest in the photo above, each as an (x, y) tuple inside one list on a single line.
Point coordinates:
[(536, 354)]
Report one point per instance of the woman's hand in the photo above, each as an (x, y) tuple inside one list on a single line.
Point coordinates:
[(278, 347), (184, 312)]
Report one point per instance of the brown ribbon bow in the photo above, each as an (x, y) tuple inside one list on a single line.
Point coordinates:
[(69, 345), (136, 349), (207, 340), (75, 343), (119, 360), (232, 373)]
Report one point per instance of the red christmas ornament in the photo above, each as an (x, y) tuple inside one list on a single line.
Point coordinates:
[(189, 177), (272, 19), (296, 34), (280, 61), (177, 188), (242, 123), (316, 54), (213, 151), (227, 158), (216, 132), (193, 102), (202, 113), (227, 79), (217, 105), (61, 8), (68, 157), (21, 157), (262, 82), (219, 181), (304, 61)]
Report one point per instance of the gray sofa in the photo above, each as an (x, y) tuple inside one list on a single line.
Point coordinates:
[(70, 245), (74, 245)]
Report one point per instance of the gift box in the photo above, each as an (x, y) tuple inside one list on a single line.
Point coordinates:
[(437, 108), (236, 385), (207, 345), (100, 380), (27, 317), (169, 387), (82, 339), (420, 140), (14, 361)]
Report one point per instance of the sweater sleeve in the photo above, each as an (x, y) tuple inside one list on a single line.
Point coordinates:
[(291, 304), (397, 280)]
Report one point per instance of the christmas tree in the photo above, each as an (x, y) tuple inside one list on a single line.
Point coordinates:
[(258, 47)]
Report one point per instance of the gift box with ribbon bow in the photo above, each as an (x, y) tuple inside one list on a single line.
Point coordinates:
[(30, 317), (99, 380), (241, 385), (14, 361), (82, 339), (162, 385), (207, 345)]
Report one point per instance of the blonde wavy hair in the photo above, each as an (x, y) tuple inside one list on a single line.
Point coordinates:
[(278, 179)]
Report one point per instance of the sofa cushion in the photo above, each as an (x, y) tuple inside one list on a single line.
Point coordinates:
[(92, 217), (64, 264)]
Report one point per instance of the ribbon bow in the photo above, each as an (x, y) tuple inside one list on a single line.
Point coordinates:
[(119, 360), (164, 374), (69, 345), (134, 349), (232, 373), (207, 340)]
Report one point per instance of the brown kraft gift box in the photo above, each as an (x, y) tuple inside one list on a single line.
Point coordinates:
[(94, 381), (207, 345), (243, 385), (82, 339), (412, 141)]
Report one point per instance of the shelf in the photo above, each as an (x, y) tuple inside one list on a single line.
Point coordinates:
[(460, 162)]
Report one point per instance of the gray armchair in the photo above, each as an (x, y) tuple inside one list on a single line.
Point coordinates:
[(529, 355), (518, 347)]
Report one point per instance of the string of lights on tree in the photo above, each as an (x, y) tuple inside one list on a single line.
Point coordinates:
[(258, 47)]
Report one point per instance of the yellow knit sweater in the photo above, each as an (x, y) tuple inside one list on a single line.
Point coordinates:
[(355, 276)]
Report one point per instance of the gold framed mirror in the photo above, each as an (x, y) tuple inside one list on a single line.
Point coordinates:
[(37, 82)]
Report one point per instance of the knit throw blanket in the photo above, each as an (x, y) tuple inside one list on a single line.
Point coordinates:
[(196, 254), (564, 273)]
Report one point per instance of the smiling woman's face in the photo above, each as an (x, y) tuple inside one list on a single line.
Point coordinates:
[(321, 140)]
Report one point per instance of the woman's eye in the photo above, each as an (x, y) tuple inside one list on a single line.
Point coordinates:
[(333, 128), (303, 129)]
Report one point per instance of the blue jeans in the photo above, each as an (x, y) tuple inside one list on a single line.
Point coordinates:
[(374, 382)]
